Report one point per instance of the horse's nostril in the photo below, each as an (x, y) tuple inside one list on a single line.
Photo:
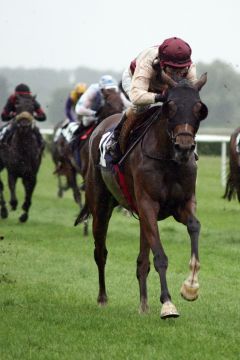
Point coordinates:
[(193, 147), (177, 146)]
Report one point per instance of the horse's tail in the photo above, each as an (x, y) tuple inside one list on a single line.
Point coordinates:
[(230, 189), (83, 215)]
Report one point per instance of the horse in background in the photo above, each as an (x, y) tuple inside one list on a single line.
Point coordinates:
[(21, 157), (72, 160), (233, 179), (159, 177)]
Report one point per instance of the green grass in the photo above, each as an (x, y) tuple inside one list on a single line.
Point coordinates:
[(49, 285)]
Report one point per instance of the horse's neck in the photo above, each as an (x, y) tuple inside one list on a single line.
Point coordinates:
[(23, 140), (112, 105)]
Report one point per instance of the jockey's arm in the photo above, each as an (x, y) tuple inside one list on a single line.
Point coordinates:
[(84, 104), (68, 109), (144, 72), (39, 114), (9, 110)]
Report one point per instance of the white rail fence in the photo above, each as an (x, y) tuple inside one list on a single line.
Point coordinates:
[(223, 139)]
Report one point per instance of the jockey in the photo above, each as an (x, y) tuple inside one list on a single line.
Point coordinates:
[(88, 105), (10, 110), (72, 99), (141, 81)]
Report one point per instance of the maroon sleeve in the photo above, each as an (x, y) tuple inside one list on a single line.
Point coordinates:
[(9, 108), (40, 114)]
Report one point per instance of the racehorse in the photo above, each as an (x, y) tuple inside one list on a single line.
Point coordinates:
[(159, 177), (21, 156), (233, 180)]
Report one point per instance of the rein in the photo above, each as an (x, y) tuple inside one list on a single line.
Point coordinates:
[(151, 121), (173, 140)]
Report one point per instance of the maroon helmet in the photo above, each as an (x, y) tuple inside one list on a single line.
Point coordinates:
[(175, 52)]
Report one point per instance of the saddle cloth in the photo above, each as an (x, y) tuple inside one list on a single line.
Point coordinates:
[(105, 158)]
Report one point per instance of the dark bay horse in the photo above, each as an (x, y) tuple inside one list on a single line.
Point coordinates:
[(160, 176), (233, 180), (21, 157)]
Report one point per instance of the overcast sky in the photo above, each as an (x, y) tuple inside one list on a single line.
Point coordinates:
[(108, 34)]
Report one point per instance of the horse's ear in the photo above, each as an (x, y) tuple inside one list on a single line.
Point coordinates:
[(201, 82)]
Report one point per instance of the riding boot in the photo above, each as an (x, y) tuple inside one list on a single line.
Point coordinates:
[(75, 137), (128, 126), (113, 147)]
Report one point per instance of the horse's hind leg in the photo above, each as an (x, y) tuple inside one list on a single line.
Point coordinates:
[(143, 268), (12, 187), (29, 185), (100, 203), (4, 211), (101, 218)]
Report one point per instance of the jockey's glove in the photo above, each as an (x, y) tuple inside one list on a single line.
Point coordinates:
[(160, 98)]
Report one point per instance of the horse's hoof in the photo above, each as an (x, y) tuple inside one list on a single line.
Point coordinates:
[(60, 194), (102, 300), (23, 218), (169, 310), (4, 213), (189, 292), (13, 207), (143, 308)]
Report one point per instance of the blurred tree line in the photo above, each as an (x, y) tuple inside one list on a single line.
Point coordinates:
[(53, 86)]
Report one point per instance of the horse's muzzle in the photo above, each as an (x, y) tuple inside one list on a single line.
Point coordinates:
[(184, 146)]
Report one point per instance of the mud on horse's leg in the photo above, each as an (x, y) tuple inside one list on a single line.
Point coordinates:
[(3, 211), (29, 185), (190, 287), (12, 187)]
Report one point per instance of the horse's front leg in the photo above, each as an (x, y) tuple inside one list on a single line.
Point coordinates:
[(4, 211), (148, 211), (29, 185), (12, 187), (190, 287)]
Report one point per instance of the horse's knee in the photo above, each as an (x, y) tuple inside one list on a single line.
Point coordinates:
[(193, 225), (100, 256), (160, 262), (143, 267)]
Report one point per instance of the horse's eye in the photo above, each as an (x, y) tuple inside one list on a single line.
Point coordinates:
[(200, 111), (172, 109)]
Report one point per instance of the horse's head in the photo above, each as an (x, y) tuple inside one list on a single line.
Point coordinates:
[(184, 111), (113, 103), (24, 121)]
